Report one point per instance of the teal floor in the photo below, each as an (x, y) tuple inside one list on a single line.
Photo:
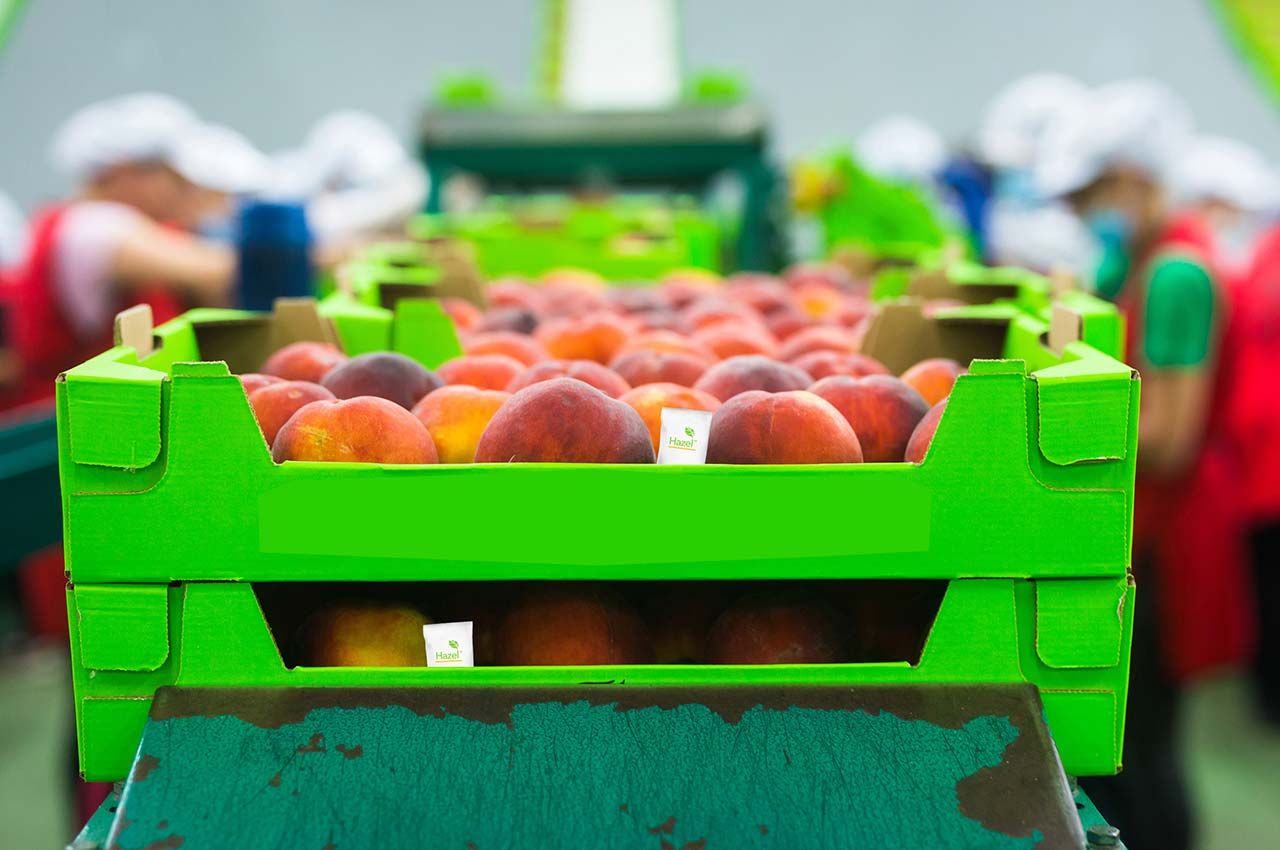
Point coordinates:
[(1234, 762)]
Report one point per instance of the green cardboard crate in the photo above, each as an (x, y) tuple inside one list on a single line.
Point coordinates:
[(173, 509)]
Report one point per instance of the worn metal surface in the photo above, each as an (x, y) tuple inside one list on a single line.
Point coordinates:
[(644, 768)]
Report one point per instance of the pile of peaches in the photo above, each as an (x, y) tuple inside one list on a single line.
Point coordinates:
[(572, 370)]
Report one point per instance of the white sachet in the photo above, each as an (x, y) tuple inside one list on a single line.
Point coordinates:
[(449, 645), (683, 436)]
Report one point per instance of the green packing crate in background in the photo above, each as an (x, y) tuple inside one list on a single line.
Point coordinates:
[(177, 522), (626, 239)]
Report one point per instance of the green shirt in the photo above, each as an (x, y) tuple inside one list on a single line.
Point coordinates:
[(1178, 319)]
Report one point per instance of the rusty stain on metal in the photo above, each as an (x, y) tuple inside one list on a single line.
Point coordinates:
[(144, 766), (274, 781), (314, 745), (764, 830), (350, 752), (171, 843), (668, 826)]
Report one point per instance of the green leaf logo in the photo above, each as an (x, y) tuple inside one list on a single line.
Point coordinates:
[(453, 644), (688, 432)]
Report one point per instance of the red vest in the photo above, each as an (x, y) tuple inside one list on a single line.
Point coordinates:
[(36, 326), (1191, 526)]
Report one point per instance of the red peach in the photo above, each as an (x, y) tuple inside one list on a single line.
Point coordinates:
[(649, 399), (763, 293), (511, 292), (883, 411), (566, 626), (823, 364), (787, 427), (367, 635), (922, 436), (514, 319), (365, 429), (732, 339), (385, 374), (275, 403), (456, 416), (303, 361), (687, 285), (788, 322), (751, 372), (817, 338), (818, 302), (595, 336), (829, 275), (564, 421), (520, 346), (667, 341), (587, 371), (256, 380), (706, 312), (933, 378), (656, 367), (486, 371), (465, 315), (766, 629)]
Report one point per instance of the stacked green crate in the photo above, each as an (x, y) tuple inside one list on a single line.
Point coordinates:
[(174, 510)]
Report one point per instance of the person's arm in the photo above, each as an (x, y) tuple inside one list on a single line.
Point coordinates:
[(150, 254), (1178, 341)]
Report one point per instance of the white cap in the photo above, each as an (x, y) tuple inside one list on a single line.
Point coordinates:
[(1139, 123), (352, 149), (220, 159), (1222, 169), (13, 232), (131, 128), (902, 148), (1016, 119)]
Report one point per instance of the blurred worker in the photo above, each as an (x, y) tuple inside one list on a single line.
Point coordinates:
[(1022, 227), (902, 149), (358, 180), (1108, 161), (221, 166), (106, 248), (1230, 185), (1255, 426)]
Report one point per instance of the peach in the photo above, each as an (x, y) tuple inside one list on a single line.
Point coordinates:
[(564, 421), (768, 628), (514, 319), (730, 339), (486, 371), (817, 338), (763, 293), (368, 635), (630, 300), (384, 374), (659, 320), (785, 427), (510, 292), (706, 312), (679, 619), (787, 322), (520, 346), (595, 336), (275, 403), (853, 311), (365, 429), (667, 341), (830, 275), (687, 285), (656, 367), (751, 372), (256, 380), (567, 292), (587, 371), (922, 436), (818, 302), (883, 411), (933, 378), (303, 361), (456, 416), (465, 315), (649, 399), (823, 364), (573, 626)]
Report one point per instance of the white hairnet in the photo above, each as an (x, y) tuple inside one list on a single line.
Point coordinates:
[(13, 232), (1018, 116), (1042, 238), (1222, 169), (901, 148), (220, 159), (130, 128), (1138, 123), (350, 149)]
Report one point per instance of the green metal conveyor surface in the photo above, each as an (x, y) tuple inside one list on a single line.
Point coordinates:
[(601, 765)]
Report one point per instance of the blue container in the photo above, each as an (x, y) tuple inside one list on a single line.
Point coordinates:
[(275, 254)]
